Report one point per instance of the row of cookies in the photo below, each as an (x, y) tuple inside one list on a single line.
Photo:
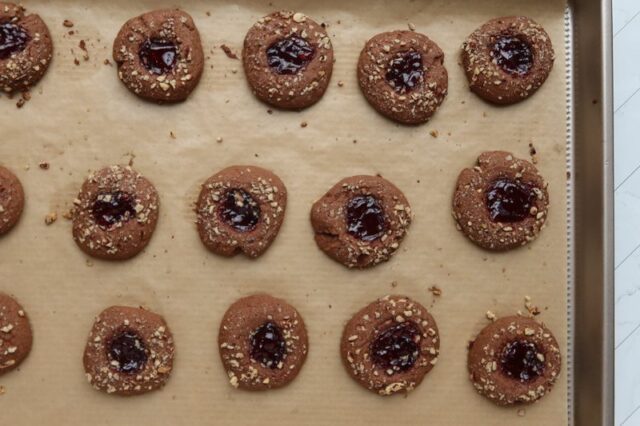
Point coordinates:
[(288, 61), (387, 347), (500, 204)]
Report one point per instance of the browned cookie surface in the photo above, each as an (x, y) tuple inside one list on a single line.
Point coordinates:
[(15, 334), (115, 213), (159, 55), (288, 60), (514, 360), (11, 200), (26, 49), (129, 351), (241, 209), (390, 345), (507, 59), (263, 342), (502, 202), (361, 221), (401, 73)]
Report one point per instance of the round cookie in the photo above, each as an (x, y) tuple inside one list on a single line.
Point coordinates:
[(288, 60), (26, 49), (514, 360), (507, 59), (11, 200), (159, 55), (129, 351), (501, 203), (402, 75), (115, 213), (15, 334), (241, 209), (263, 343), (361, 221), (390, 345)]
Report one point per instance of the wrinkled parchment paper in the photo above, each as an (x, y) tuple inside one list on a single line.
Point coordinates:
[(82, 118)]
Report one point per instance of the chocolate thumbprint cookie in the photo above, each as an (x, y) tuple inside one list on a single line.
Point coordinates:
[(390, 345), (159, 55), (115, 213), (361, 221), (288, 60), (241, 209), (15, 334), (514, 360), (502, 202), (129, 351), (263, 343), (11, 200), (507, 59), (402, 75), (26, 49)]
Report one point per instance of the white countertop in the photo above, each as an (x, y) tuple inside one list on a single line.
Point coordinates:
[(626, 29)]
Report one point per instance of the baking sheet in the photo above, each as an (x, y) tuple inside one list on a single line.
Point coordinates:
[(81, 118)]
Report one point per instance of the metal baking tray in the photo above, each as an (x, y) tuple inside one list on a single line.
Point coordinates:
[(591, 212)]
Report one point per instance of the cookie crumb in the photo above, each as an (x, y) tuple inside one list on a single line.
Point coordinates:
[(435, 291), (76, 61), (269, 111), (434, 133), (67, 23), (68, 215), (20, 103), (83, 46), (208, 13), (219, 139), (89, 263), (303, 124), (227, 51), (412, 26), (340, 83), (173, 135), (521, 412), (108, 62), (394, 284), (490, 316), (50, 218), (533, 153), (3, 390), (44, 165)]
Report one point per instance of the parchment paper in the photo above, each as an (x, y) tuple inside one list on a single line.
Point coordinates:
[(82, 118)]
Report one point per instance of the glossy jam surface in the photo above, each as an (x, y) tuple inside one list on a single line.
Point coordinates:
[(112, 208), (513, 55), (405, 71), (239, 210), (159, 56), (128, 350), (522, 361), (290, 55), (365, 218), (13, 39), (397, 348), (268, 346), (509, 200)]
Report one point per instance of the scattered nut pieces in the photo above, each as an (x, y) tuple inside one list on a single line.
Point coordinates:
[(50, 218), (412, 26), (227, 51), (491, 316), (435, 291)]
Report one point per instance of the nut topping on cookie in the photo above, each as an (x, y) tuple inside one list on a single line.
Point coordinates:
[(361, 221), (502, 202)]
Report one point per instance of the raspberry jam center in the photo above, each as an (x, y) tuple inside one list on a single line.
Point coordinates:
[(290, 55), (405, 71), (397, 348), (268, 346), (240, 210), (509, 200), (159, 56), (522, 361), (128, 351), (365, 218), (13, 39), (112, 208), (513, 55)]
